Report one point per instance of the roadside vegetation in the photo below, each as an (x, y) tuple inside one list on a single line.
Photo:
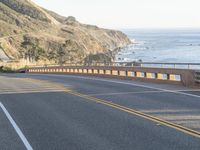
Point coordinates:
[(4, 69)]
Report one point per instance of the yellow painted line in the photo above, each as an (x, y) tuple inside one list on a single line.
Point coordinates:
[(123, 93), (29, 92), (138, 113)]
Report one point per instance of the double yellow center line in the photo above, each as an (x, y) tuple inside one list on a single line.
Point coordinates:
[(137, 113)]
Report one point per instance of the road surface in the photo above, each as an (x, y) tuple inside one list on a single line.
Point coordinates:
[(64, 112)]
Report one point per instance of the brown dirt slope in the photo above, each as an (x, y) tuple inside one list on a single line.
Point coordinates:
[(31, 34)]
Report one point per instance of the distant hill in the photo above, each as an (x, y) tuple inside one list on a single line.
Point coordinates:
[(29, 33)]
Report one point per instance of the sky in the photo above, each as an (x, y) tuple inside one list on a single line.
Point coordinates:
[(122, 14)]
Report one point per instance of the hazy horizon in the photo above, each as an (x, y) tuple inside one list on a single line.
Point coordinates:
[(130, 14)]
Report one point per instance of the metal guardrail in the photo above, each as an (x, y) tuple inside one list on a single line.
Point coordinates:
[(164, 75), (130, 64), (197, 76), (172, 65)]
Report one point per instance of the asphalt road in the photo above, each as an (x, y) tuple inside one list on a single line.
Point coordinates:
[(60, 112)]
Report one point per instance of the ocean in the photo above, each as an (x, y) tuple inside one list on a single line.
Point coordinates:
[(166, 45)]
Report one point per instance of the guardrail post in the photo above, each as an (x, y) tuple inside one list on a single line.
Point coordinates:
[(126, 73), (156, 75), (118, 72), (168, 76), (145, 74)]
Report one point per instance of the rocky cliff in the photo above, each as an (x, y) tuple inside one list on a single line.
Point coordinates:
[(31, 34)]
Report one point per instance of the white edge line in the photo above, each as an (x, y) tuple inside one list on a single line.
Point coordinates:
[(17, 129), (121, 82)]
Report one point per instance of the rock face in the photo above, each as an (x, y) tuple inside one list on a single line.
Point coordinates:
[(36, 35)]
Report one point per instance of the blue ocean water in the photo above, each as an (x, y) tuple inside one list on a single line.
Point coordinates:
[(166, 45)]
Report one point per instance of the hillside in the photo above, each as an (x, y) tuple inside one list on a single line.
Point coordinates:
[(31, 34)]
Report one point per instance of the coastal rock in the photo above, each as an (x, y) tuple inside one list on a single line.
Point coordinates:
[(29, 32)]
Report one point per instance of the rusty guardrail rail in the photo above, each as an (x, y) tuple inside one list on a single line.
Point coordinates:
[(131, 64), (127, 70)]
